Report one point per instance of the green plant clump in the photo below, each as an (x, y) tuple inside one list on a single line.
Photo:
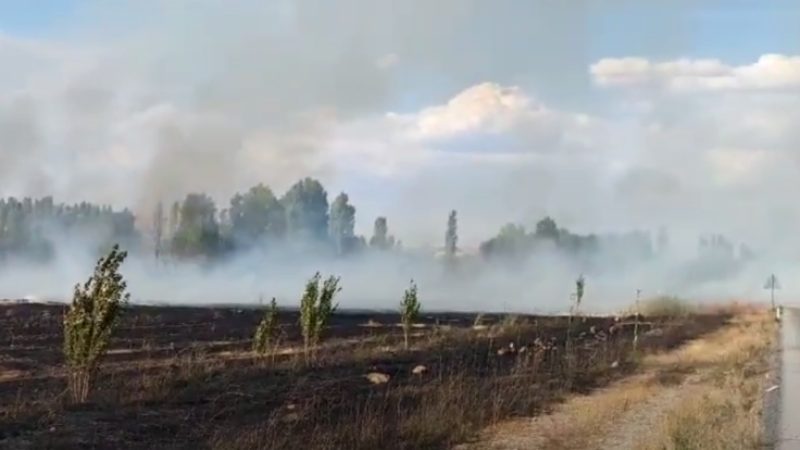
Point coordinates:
[(90, 320), (265, 337), (316, 308), (409, 311)]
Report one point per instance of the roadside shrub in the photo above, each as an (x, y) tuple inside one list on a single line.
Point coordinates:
[(90, 320)]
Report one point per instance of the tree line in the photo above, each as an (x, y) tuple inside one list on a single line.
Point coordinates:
[(303, 220)]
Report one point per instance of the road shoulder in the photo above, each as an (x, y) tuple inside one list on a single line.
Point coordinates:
[(708, 393)]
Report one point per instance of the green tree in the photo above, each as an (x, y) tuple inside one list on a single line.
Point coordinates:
[(409, 311), (316, 308), (381, 240), (265, 337), (306, 205), (174, 221), (326, 307), (342, 224), (257, 216), (90, 321), (547, 229), (198, 233), (511, 243), (159, 223)]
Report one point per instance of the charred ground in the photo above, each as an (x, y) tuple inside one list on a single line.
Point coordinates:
[(183, 377)]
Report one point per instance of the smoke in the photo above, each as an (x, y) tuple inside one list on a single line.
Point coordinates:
[(588, 111), (541, 282)]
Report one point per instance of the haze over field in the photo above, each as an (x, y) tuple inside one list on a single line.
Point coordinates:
[(606, 116)]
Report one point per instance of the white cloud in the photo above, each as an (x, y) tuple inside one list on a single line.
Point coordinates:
[(484, 108), (770, 72), (489, 110)]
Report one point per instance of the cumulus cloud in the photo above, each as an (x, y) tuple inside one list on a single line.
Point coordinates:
[(488, 110)]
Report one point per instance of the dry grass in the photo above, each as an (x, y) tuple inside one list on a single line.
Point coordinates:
[(706, 392), (731, 369), (583, 421)]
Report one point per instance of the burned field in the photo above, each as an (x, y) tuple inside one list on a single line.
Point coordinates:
[(180, 377)]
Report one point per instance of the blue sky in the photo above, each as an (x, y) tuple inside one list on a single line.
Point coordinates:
[(733, 30), (35, 18)]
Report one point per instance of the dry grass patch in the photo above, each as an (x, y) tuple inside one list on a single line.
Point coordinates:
[(731, 372), (710, 389), (583, 421), (749, 333)]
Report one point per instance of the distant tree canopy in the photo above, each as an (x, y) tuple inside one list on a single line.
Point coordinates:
[(195, 228), (514, 243), (302, 219), (26, 227)]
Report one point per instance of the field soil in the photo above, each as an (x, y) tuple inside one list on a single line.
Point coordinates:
[(184, 378)]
